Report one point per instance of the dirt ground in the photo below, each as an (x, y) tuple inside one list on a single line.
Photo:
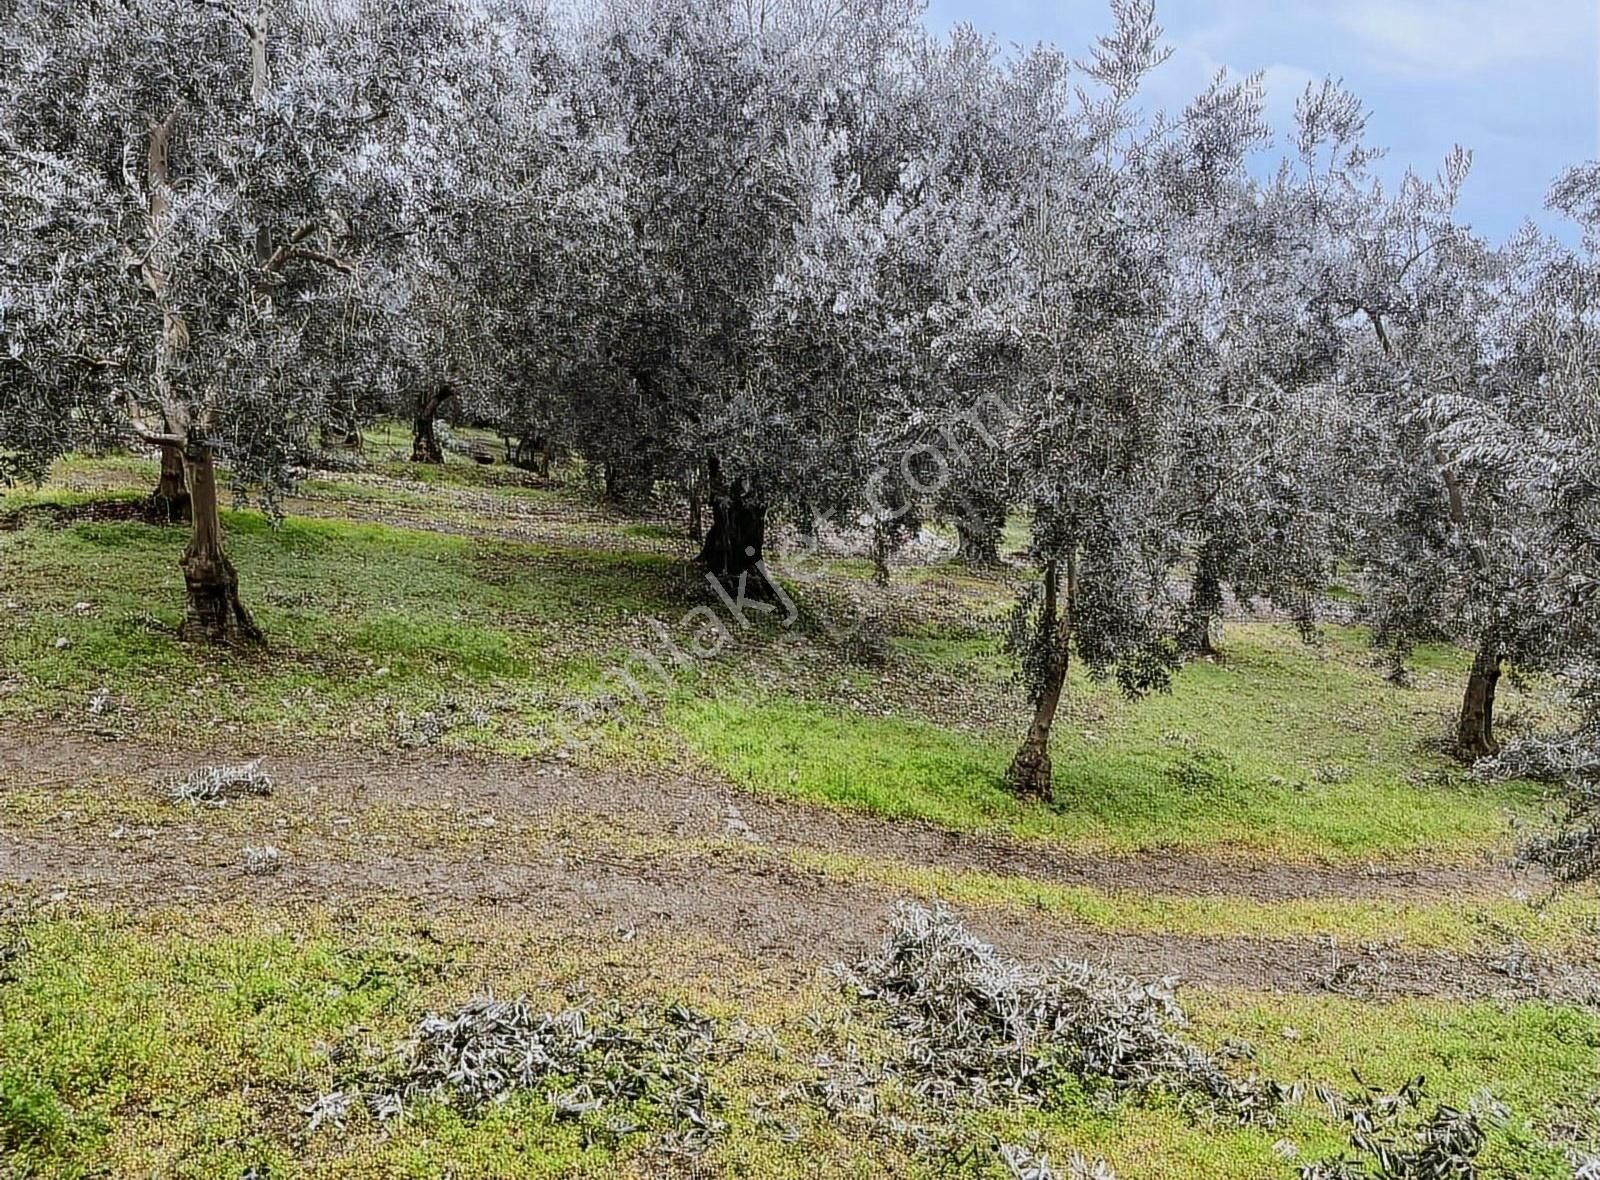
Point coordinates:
[(764, 905)]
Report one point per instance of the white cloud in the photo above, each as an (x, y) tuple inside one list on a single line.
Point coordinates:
[(1285, 84), (1453, 38)]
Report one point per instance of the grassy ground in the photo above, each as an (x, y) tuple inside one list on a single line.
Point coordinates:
[(466, 608), (1278, 748), (195, 1038)]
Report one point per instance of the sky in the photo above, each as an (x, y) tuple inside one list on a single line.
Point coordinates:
[(1515, 81)]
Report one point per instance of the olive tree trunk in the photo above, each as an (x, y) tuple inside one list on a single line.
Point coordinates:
[(978, 543), (734, 542), (1204, 607), (1475, 730), (532, 453), (979, 522), (1030, 775), (213, 612), (697, 524), (169, 503), (629, 481), (424, 442)]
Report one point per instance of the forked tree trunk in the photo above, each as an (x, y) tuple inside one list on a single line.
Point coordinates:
[(1204, 607), (213, 612), (1030, 775), (169, 503), (424, 442), (733, 544), (1475, 731)]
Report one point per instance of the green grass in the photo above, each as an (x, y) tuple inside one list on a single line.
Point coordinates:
[(187, 1044), (1565, 925), (361, 618), (133, 1052), (1278, 749), (1542, 1062)]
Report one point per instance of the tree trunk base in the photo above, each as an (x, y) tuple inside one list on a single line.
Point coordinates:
[(734, 542), (166, 508), (980, 557), (978, 547), (532, 453), (213, 612), (424, 441), (425, 444), (1197, 640), (1475, 730), (1030, 776)]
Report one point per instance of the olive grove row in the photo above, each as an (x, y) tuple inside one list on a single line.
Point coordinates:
[(800, 259)]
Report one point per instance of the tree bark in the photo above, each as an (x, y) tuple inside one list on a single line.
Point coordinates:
[(1205, 603), (347, 437), (532, 453), (697, 526), (213, 612), (1475, 730), (169, 503), (629, 480), (424, 442), (1030, 775), (979, 521), (977, 546), (733, 544)]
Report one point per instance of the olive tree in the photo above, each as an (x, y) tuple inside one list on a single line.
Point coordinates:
[(1090, 342), (1536, 439), (738, 129), (240, 162), (1450, 547)]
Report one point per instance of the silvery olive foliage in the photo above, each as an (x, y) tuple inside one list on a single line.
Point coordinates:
[(200, 184), (1391, 1140), (1538, 439), (218, 784), (1442, 346), (628, 1070), (980, 1027)]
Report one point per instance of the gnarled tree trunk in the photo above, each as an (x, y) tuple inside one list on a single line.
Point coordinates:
[(213, 612), (169, 503), (733, 543), (1030, 775), (1475, 730), (424, 442)]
